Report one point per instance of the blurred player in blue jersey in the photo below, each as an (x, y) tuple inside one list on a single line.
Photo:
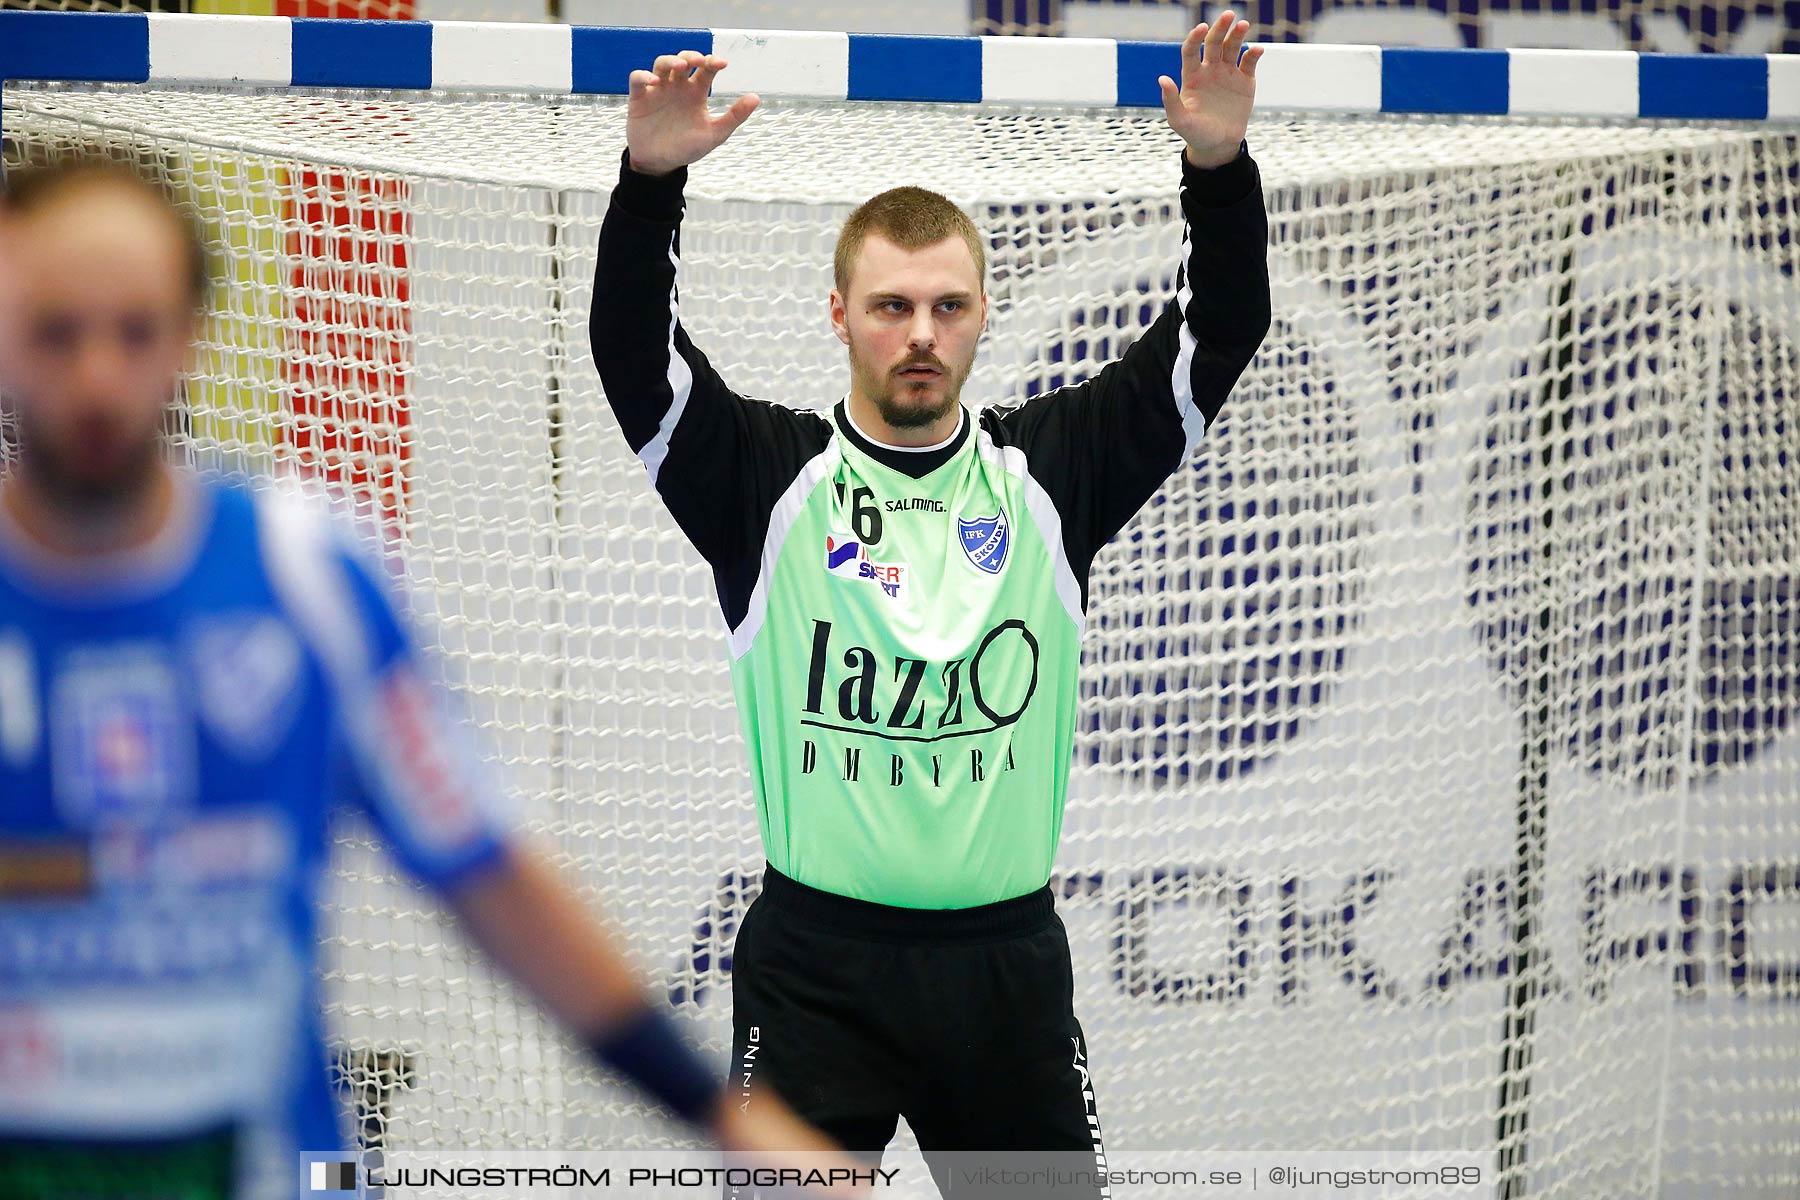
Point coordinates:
[(191, 675)]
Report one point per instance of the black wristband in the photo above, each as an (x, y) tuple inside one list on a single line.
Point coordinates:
[(1223, 185), (650, 1052), (653, 197)]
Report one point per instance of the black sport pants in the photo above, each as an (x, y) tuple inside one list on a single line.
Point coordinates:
[(960, 1020)]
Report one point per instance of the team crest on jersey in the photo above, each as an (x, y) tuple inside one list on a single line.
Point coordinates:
[(848, 558), (247, 671), (984, 540), (122, 741)]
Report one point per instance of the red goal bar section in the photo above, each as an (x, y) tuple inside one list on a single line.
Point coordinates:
[(349, 297), (367, 10), (350, 365), (348, 368)]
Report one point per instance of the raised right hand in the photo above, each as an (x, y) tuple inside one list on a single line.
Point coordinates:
[(666, 122)]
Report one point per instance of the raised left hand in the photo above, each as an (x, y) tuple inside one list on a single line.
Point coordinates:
[(1211, 108)]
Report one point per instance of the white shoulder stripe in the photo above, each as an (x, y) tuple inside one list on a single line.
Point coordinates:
[(297, 548), (781, 519), (1044, 515), (1181, 379), (423, 780), (681, 382)]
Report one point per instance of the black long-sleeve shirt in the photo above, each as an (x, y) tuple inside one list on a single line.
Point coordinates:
[(951, 583)]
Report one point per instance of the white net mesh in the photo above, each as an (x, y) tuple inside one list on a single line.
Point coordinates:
[(1439, 782)]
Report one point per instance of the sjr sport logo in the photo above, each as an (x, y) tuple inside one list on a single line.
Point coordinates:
[(848, 558)]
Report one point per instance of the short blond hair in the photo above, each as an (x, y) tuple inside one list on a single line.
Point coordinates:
[(909, 217)]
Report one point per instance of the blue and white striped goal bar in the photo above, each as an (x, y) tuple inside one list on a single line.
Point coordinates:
[(562, 59)]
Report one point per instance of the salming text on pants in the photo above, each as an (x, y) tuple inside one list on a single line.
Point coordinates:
[(959, 1020)]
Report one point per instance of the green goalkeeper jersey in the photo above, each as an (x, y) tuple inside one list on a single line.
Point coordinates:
[(905, 624)]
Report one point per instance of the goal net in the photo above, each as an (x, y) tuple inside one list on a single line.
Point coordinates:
[(1438, 782)]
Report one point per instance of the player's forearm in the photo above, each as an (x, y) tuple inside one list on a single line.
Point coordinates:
[(1171, 383), (531, 923), (634, 322), (1227, 274), (527, 920)]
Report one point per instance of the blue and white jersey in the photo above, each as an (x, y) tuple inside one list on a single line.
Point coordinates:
[(174, 731)]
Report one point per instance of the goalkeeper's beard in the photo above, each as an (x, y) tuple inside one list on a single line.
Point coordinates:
[(902, 405), (86, 492)]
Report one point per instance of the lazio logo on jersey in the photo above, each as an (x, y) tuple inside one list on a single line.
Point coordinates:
[(984, 541)]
